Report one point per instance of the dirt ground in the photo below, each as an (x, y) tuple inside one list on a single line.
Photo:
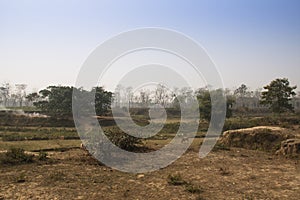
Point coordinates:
[(223, 174)]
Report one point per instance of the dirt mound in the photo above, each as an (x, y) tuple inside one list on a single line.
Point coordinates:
[(290, 147), (265, 138)]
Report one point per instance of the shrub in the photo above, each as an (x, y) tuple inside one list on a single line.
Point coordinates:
[(16, 156), (122, 140)]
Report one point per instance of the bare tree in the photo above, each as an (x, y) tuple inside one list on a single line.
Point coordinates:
[(20, 93), (118, 95), (161, 95), (129, 96), (5, 93)]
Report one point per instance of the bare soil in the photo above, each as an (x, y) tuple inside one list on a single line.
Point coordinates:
[(234, 174)]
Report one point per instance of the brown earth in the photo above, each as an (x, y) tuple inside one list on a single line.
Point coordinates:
[(223, 174), (265, 138)]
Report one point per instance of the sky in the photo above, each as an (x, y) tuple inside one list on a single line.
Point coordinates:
[(45, 42)]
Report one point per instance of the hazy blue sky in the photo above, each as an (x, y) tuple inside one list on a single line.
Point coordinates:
[(252, 42)]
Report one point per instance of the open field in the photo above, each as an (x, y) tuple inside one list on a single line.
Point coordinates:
[(70, 173), (234, 174)]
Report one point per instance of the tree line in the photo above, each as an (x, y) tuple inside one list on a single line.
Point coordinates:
[(57, 100)]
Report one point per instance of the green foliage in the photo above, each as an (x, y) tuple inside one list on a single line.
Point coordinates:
[(102, 100), (16, 156), (205, 103), (57, 100), (33, 97), (22, 134), (278, 95)]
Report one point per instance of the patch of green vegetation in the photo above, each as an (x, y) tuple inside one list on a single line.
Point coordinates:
[(16, 156), (26, 133), (38, 145)]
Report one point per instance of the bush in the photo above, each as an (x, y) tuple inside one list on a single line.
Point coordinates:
[(16, 156), (122, 140)]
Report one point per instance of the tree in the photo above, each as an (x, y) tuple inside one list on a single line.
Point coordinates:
[(241, 93), (103, 100), (204, 100), (21, 93), (161, 95), (129, 96), (5, 93), (205, 103), (33, 97), (57, 100), (278, 95)]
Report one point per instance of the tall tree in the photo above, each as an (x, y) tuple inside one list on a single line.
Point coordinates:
[(103, 100), (278, 95)]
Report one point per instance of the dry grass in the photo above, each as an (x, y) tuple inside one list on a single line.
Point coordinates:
[(39, 145)]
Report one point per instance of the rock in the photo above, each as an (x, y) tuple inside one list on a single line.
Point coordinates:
[(265, 138), (289, 147)]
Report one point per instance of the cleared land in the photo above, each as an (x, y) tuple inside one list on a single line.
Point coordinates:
[(70, 173)]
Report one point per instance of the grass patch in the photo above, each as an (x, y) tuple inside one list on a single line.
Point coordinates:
[(221, 147), (16, 156), (40, 145), (176, 180), (56, 176), (194, 189)]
